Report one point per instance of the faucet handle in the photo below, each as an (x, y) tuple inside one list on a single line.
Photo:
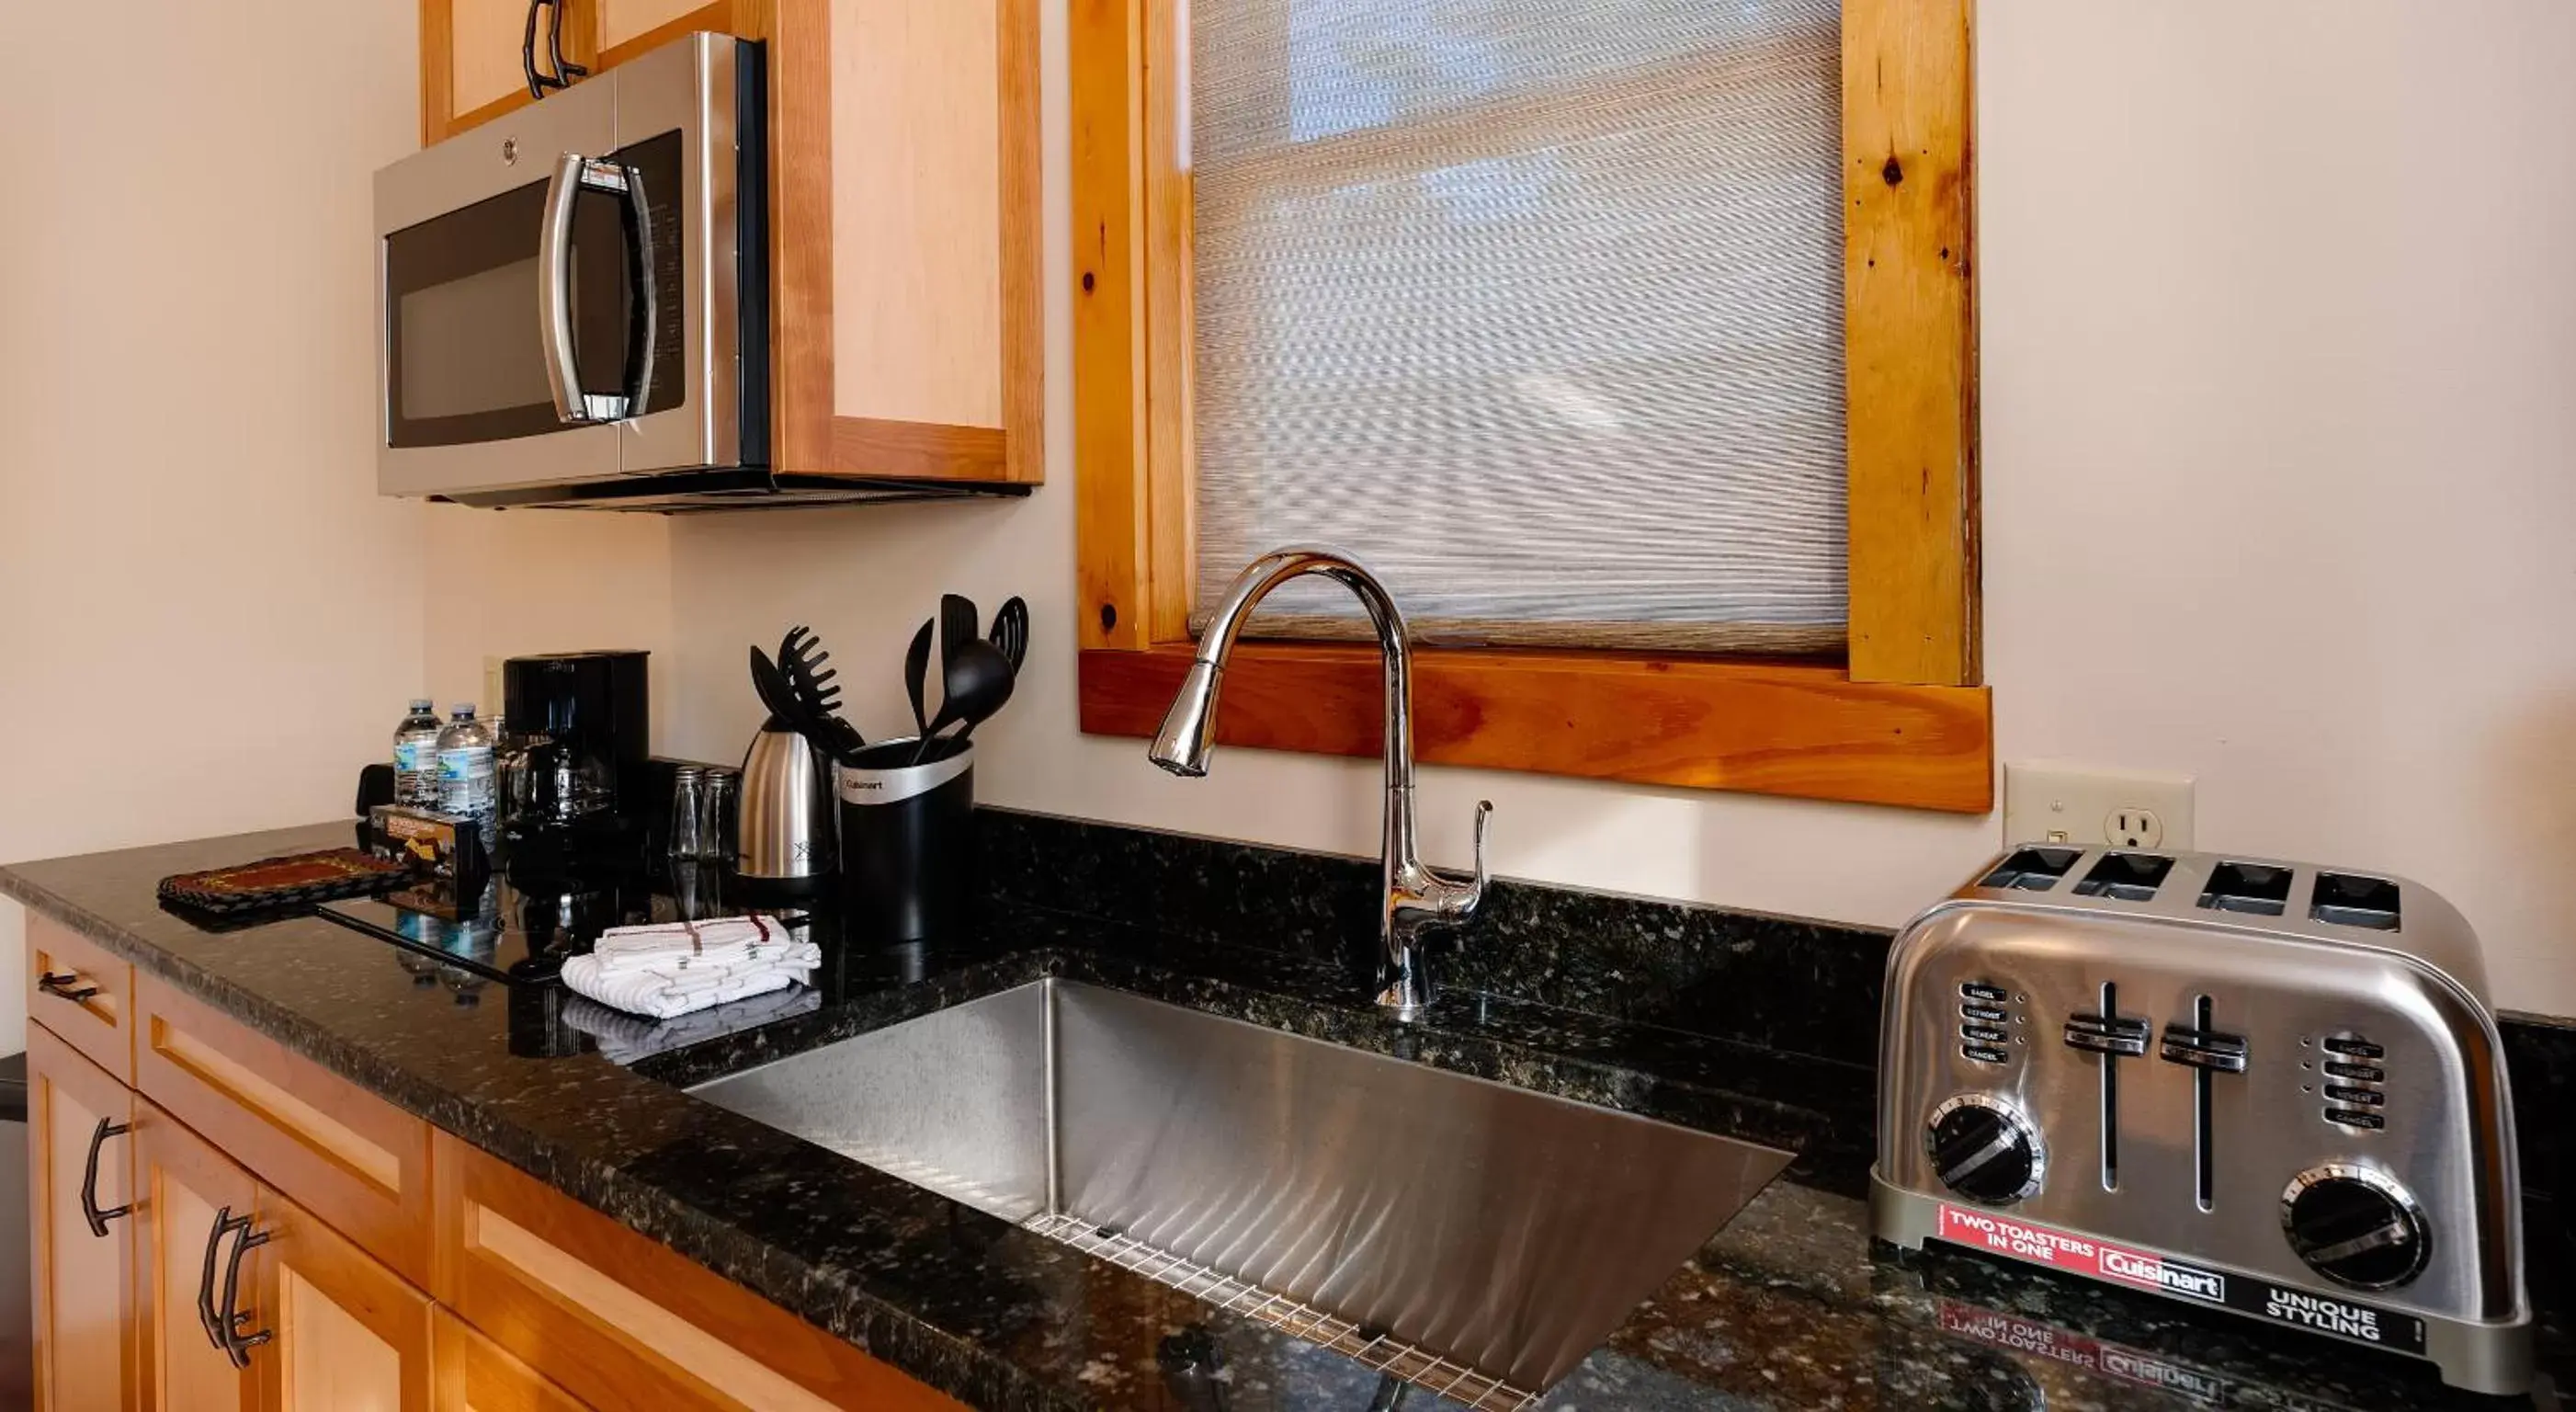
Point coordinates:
[(1472, 889)]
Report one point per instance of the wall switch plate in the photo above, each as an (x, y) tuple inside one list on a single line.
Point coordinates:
[(2049, 801)]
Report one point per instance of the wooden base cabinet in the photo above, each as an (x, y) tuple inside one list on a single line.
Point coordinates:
[(253, 1233), (335, 1330), (185, 1191), (80, 1123)]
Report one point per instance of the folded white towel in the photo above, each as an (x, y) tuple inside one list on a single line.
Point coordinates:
[(662, 994), (672, 946), (625, 1038)]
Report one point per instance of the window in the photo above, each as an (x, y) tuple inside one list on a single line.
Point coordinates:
[(1619, 332), (1534, 304)]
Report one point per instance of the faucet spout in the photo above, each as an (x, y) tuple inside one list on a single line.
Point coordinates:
[(1416, 896)]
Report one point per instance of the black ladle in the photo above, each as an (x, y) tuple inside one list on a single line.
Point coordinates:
[(979, 683)]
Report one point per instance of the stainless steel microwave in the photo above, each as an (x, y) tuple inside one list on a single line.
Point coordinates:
[(573, 297)]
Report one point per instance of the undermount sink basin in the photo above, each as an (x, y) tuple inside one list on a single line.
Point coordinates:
[(1506, 1230)]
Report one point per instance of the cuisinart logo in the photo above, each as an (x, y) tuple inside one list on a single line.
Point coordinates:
[(2166, 1275)]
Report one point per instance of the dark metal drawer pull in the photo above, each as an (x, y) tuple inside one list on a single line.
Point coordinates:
[(98, 1219), (62, 986), (237, 1345), (225, 1222)]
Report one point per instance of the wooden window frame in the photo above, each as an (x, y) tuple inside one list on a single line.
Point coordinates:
[(1904, 720)]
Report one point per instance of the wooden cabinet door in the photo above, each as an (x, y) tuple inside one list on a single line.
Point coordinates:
[(477, 1375), (79, 1130), (471, 68), (184, 1188), (329, 1329)]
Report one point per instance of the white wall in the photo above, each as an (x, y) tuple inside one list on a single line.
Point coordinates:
[(208, 619), (2278, 320)]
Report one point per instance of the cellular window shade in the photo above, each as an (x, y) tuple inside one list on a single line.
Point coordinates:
[(1536, 305)]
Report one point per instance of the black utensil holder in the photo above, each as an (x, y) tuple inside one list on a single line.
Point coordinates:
[(907, 842)]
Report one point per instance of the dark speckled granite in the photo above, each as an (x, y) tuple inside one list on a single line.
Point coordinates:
[(1786, 1309)]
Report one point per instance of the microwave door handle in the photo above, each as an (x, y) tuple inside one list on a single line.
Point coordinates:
[(572, 174), (647, 296)]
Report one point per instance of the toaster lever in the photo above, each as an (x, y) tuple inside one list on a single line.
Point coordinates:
[(2106, 1034), (2204, 1049)]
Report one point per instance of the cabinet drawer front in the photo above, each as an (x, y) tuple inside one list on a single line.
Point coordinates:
[(342, 1153), (90, 999), (83, 1282), (622, 1321)]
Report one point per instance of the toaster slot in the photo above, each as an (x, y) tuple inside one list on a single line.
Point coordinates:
[(2033, 869), (2209, 1052), (2130, 877), (2114, 1038), (2348, 900), (2257, 888)]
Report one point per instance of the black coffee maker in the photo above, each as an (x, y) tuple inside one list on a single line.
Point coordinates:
[(576, 730)]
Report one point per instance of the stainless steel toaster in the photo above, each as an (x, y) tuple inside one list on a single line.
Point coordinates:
[(2259, 1086)]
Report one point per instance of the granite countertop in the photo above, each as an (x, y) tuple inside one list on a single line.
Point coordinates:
[(1788, 1308)]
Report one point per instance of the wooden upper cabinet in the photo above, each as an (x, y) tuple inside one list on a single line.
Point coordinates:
[(471, 64), (906, 317)]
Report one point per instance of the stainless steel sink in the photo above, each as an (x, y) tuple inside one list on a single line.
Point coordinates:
[(1405, 1206)]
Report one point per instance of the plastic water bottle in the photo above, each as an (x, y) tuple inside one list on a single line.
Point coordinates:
[(465, 781), (416, 757)]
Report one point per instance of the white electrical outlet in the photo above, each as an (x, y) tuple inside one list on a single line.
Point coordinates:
[(2049, 801)]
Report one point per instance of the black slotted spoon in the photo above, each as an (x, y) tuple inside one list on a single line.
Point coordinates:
[(802, 660)]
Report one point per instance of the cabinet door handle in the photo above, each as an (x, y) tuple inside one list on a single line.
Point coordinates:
[(237, 1345), (225, 1222), (98, 1219), (66, 985), (565, 70)]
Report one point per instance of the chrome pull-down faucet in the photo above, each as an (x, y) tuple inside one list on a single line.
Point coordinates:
[(1416, 896)]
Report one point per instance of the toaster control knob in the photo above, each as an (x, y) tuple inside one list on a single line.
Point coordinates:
[(2355, 1226), (1985, 1150)]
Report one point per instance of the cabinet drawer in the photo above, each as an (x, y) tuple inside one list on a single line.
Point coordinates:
[(342, 1153), (83, 993), (624, 1322)]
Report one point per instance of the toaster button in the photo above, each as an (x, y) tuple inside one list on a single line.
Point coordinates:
[(2106, 1034), (1984, 1055), (1981, 990), (1985, 1014), (2358, 1073), (2204, 1049), (2355, 1118), (2352, 1048), (1984, 1034), (2369, 1097)]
